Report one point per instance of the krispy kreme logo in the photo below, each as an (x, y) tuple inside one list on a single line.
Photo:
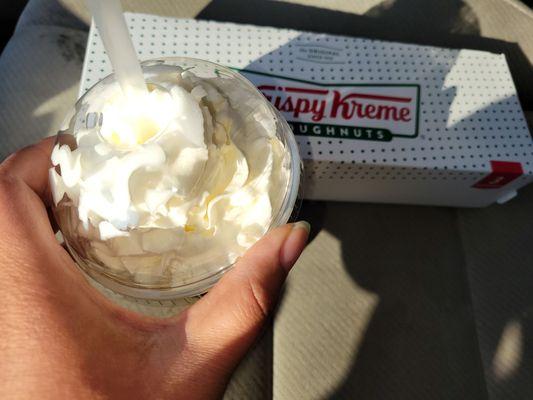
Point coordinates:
[(365, 112)]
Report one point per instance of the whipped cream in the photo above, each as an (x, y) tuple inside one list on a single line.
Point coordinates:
[(173, 184)]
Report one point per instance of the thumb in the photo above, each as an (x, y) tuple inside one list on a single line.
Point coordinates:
[(225, 323)]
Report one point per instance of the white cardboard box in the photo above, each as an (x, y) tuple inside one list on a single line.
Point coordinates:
[(375, 121)]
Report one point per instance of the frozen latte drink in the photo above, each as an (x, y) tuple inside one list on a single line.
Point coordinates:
[(157, 195)]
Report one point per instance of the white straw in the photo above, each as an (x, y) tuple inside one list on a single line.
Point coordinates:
[(111, 25)]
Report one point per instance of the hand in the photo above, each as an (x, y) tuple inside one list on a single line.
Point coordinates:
[(61, 339)]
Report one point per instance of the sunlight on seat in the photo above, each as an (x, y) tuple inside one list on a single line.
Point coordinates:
[(322, 323), (508, 355)]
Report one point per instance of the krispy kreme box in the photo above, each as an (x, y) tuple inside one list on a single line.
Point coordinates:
[(375, 121)]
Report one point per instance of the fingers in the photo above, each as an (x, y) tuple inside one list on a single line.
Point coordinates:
[(226, 322), (31, 165)]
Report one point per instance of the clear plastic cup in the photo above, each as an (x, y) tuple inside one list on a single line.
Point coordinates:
[(189, 279)]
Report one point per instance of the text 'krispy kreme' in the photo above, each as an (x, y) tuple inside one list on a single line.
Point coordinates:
[(319, 104), (361, 111)]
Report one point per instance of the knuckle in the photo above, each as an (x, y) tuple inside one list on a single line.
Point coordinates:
[(258, 302), (10, 191), (9, 183), (13, 156)]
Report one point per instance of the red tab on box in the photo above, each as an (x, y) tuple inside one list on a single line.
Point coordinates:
[(502, 173)]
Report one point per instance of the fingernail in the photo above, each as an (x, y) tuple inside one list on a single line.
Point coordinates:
[(294, 244), (302, 225)]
